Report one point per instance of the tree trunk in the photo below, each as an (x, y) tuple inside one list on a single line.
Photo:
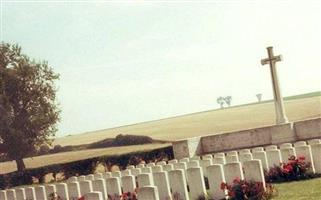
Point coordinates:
[(20, 165)]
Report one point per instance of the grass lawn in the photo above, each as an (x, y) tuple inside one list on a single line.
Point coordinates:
[(299, 190)]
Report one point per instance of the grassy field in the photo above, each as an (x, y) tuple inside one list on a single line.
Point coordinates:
[(301, 190), (209, 122), (38, 161)]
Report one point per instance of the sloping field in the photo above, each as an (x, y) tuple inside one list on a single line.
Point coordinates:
[(66, 157), (209, 122)]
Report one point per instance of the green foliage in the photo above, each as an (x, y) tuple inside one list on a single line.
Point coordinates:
[(28, 107), (44, 149)]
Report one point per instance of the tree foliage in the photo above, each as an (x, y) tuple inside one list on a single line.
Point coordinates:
[(28, 108)]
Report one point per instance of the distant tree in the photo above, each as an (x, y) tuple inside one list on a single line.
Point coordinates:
[(228, 100), (259, 97), (220, 100), (28, 107)]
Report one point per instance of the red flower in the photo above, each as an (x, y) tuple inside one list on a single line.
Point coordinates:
[(236, 180), (82, 198), (301, 158), (223, 186)]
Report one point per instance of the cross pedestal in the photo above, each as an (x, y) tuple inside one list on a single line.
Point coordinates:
[(278, 99)]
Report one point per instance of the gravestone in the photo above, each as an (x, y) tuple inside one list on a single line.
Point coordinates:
[(40, 192), (273, 157), (305, 150), (271, 147), (184, 160), (261, 155), (140, 165), (125, 172), (219, 160), (231, 158), (11, 195), (204, 164), (62, 190), (107, 175), (316, 152), (85, 187), (3, 195), (285, 145), (219, 155), (207, 157), (245, 157), (145, 179), (116, 174), (50, 189), (286, 153), (113, 187), (30, 193), (299, 143), (314, 141), (195, 158), (162, 184), (196, 183), (128, 183), (245, 151), (161, 163), (232, 171), (98, 176), (253, 171), (94, 196), (20, 194), (180, 165), (146, 170), (168, 167), (157, 168), (135, 171), (231, 153), (173, 161), (99, 185), (148, 193), (150, 164), (130, 167), (257, 149), (216, 176), (192, 163), (81, 178), (177, 182), (73, 190)]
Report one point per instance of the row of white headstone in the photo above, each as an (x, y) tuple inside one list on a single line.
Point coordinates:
[(167, 180)]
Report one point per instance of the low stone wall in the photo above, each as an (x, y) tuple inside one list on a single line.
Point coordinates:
[(262, 136)]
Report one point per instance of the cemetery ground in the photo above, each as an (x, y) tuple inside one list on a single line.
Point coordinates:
[(234, 118)]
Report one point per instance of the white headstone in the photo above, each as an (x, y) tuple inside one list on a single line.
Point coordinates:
[(62, 190), (136, 171), (257, 149), (231, 158), (219, 155), (128, 183), (261, 155), (305, 150), (113, 187), (107, 175), (271, 147), (232, 171), (184, 160), (314, 141), (81, 178), (125, 172), (219, 160), (231, 153), (73, 190), (173, 161), (216, 177), (195, 158), (168, 167), (161, 163), (192, 163), (286, 153), (299, 143), (245, 151), (157, 168), (285, 145), (150, 164), (204, 164), (207, 157), (177, 182), (146, 170), (72, 179), (130, 167), (162, 184), (180, 165), (148, 193), (11, 195), (140, 165), (98, 176), (196, 183), (99, 185), (144, 179), (3, 195), (30, 193), (85, 187), (245, 157), (253, 171), (50, 190), (316, 152), (20, 194), (273, 157), (94, 196), (40, 192), (116, 174)]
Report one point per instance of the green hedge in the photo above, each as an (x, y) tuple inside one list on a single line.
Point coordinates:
[(83, 167)]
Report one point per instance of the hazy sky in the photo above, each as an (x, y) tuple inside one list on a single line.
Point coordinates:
[(124, 62)]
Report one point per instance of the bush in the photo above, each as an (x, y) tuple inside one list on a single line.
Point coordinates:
[(57, 148), (243, 190), (123, 140), (44, 149), (294, 169)]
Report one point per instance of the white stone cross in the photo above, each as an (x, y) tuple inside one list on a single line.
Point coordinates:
[(278, 99)]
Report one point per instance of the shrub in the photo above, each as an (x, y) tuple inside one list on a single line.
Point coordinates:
[(243, 190), (57, 148), (294, 169), (123, 140), (44, 149)]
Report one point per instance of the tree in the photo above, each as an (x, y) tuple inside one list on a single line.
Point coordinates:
[(28, 108), (259, 97), (220, 100), (228, 100)]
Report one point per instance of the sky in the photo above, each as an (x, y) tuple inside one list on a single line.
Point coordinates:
[(123, 62)]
